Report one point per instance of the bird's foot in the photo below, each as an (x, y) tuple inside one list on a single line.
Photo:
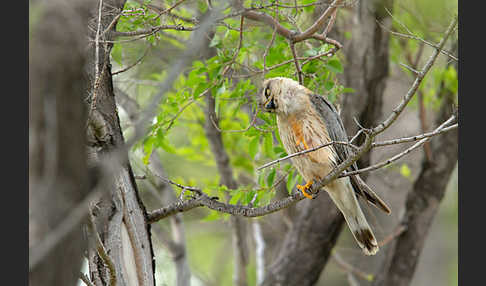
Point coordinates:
[(304, 189), (303, 143)]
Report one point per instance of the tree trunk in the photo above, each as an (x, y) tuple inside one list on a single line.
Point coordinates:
[(58, 171), (367, 68), (422, 203), (238, 224), (308, 244), (120, 217)]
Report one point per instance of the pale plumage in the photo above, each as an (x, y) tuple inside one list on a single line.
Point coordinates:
[(306, 120)]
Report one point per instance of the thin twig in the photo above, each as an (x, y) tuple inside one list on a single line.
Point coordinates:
[(400, 229), (153, 30), (399, 155), (304, 152), (97, 43), (419, 39), (350, 268), (169, 9), (240, 43), (296, 62), (134, 64), (330, 24), (252, 123), (85, 279), (201, 199), (306, 60), (414, 71), (319, 23), (396, 112), (112, 23), (414, 138), (267, 49)]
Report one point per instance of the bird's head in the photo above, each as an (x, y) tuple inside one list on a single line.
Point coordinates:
[(284, 96)]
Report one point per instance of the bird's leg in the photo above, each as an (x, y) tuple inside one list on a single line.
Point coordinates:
[(302, 140), (304, 188)]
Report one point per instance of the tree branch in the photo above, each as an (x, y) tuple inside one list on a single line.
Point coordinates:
[(420, 76), (319, 23), (201, 199)]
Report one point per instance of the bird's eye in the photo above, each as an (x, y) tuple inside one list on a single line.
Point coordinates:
[(267, 92)]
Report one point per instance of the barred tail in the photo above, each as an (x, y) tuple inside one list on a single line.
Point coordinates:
[(341, 192)]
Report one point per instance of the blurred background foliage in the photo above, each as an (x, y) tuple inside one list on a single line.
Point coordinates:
[(177, 132)]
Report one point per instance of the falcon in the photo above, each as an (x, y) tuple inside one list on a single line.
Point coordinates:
[(306, 120)]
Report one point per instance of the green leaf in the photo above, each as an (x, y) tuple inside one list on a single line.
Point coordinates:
[(348, 90), (213, 215), (328, 85), (268, 144), (236, 197), (279, 150), (261, 178), (248, 197), (253, 148), (310, 53), (334, 65), (215, 42), (290, 181), (148, 146), (116, 53), (271, 177)]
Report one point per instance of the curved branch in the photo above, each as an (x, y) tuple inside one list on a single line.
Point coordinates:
[(420, 76)]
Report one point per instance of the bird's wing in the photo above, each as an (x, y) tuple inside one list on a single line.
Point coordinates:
[(329, 116), (335, 129)]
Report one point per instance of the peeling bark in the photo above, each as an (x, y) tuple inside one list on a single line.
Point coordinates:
[(121, 216)]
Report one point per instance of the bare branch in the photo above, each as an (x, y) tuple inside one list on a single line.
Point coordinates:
[(401, 154), (319, 23), (166, 11), (304, 152), (293, 36), (396, 112), (153, 30), (414, 138), (296, 62), (306, 60), (97, 43), (392, 236), (252, 123), (201, 199), (350, 268), (240, 43), (413, 37), (330, 24)]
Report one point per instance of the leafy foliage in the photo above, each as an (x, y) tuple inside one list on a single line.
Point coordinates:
[(236, 96), (232, 75)]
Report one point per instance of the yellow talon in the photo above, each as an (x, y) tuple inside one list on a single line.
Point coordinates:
[(304, 188), (303, 142)]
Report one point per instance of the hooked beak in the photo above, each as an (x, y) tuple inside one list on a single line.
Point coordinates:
[(270, 105)]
